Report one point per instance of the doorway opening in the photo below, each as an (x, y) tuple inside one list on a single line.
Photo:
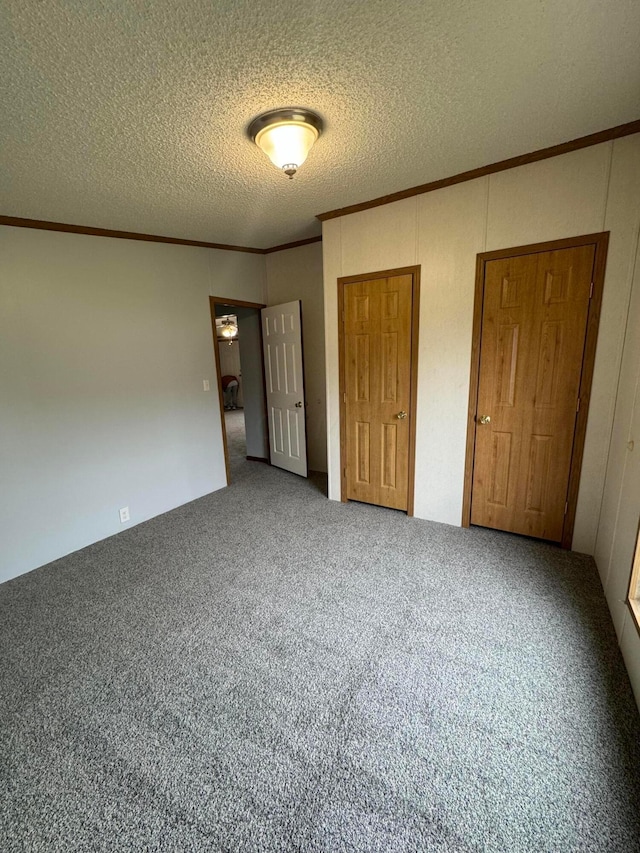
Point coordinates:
[(237, 342), (232, 383)]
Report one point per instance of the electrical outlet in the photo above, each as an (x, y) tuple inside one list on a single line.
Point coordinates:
[(205, 385), (124, 515)]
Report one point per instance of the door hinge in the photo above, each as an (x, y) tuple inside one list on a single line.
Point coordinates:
[(591, 291), (566, 507), (344, 472), (344, 397), (578, 405)]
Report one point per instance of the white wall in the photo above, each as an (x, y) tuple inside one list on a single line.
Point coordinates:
[(104, 344), (578, 193), (297, 274), (237, 275)]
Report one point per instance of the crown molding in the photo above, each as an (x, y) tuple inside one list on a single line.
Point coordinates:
[(45, 225), (294, 245), (521, 160)]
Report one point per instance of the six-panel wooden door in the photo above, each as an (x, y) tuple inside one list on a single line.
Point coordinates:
[(534, 324), (377, 405)]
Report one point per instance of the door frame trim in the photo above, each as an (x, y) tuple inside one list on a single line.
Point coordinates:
[(414, 272), (600, 241), (229, 303)]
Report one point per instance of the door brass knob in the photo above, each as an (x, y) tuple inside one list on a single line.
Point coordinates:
[(485, 419), (298, 405), (401, 415)]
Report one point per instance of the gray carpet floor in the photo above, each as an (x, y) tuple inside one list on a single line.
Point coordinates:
[(265, 670)]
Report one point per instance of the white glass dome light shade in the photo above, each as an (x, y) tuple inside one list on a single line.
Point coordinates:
[(287, 144), (286, 136)]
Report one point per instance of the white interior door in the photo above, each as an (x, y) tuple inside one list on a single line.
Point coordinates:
[(282, 343)]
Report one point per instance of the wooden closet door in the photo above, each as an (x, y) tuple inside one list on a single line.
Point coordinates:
[(534, 325), (377, 387)]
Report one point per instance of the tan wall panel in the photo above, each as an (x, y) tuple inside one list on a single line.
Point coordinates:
[(561, 197), (380, 238), (451, 225), (332, 270), (623, 218), (621, 500)]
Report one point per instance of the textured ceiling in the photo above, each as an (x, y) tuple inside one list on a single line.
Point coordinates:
[(131, 114)]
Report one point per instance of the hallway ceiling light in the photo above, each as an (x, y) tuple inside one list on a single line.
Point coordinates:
[(286, 136), (229, 329)]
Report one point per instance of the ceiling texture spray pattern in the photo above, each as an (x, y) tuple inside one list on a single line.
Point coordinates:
[(133, 115)]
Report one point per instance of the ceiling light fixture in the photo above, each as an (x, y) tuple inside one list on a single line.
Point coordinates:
[(229, 329), (286, 136)]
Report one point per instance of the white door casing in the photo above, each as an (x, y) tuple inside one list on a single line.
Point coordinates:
[(282, 346)]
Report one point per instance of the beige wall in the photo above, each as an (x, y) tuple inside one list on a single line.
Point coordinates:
[(297, 274), (596, 189), (237, 275), (104, 345)]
